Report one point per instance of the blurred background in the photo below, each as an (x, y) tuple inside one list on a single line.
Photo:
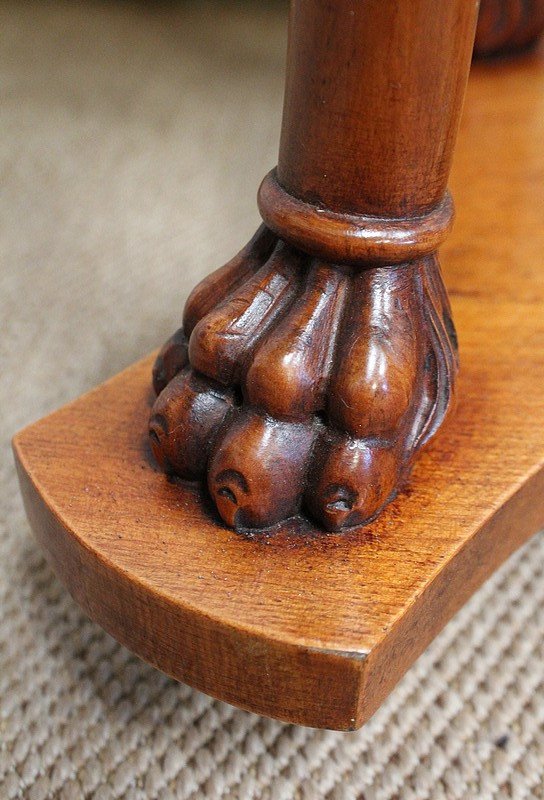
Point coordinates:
[(133, 137)]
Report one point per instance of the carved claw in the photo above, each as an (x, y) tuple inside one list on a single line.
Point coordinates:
[(298, 386)]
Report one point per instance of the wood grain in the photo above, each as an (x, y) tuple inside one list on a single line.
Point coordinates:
[(365, 129), (318, 629)]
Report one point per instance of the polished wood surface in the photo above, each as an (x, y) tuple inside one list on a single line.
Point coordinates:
[(366, 129), (313, 628), (311, 369)]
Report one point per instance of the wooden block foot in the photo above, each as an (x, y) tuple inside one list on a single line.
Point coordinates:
[(306, 627)]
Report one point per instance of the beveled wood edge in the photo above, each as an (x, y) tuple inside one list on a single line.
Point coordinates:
[(452, 585)]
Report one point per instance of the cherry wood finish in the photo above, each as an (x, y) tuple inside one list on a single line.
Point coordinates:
[(313, 367), (507, 26), (314, 628)]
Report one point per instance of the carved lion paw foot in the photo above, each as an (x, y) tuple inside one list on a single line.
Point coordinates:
[(299, 386)]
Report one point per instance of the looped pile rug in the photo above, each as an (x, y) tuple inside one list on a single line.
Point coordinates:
[(134, 135)]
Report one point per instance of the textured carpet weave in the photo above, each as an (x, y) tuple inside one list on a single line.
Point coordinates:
[(133, 138)]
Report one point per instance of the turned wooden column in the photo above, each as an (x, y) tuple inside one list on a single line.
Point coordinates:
[(313, 366), (373, 98)]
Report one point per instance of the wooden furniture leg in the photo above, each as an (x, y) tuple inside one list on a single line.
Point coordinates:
[(311, 368), (311, 628)]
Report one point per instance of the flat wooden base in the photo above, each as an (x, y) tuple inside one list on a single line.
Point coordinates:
[(311, 628)]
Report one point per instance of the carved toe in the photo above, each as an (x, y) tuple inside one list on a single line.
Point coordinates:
[(223, 340), (290, 369), (377, 359), (173, 356), (352, 480), (257, 470), (184, 422), (220, 283)]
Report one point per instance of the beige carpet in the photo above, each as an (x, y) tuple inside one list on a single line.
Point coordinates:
[(133, 139)]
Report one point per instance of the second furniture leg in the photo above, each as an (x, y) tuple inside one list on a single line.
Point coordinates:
[(508, 26), (312, 367)]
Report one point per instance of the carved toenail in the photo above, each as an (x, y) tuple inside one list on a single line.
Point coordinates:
[(339, 505), (224, 491)]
